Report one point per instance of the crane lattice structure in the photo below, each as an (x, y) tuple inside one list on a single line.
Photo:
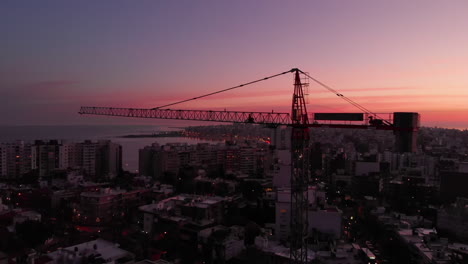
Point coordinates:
[(405, 126)]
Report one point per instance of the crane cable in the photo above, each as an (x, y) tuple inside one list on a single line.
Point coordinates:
[(360, 107), (224, 90)]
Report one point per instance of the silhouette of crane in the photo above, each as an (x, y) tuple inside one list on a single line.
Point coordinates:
[(405, 126)]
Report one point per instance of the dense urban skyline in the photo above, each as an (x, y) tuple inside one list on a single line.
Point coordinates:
[(388, 56)]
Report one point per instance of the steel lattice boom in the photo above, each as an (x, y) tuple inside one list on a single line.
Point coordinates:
[(267, 118)]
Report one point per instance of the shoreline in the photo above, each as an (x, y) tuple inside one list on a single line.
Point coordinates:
[(155, 135)]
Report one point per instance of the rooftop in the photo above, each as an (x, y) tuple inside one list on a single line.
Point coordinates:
[(108, 251), (103, 193)]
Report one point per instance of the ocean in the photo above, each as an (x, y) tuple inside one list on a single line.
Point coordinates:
[(130, 146)]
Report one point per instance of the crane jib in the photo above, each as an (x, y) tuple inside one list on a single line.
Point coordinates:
[(268, 118)]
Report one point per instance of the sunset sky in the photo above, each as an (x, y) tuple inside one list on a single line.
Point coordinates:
[(389, 56)]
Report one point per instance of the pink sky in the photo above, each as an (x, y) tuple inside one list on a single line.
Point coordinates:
[(389, 56)]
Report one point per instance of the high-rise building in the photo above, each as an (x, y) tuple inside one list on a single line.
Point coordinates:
[(101, 159), (15, 159), (45, 157), (109, 159), (89, 154), (3, 161), (248, 160), (71, 155), (145, 159), (405, 136)]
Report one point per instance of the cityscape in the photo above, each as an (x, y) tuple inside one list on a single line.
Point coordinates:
[(227, 202), (157, 132)]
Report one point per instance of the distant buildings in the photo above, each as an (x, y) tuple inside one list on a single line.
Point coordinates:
[(247, 158), (102, 159)]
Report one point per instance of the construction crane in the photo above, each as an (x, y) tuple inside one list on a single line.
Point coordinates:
[(405, 126)]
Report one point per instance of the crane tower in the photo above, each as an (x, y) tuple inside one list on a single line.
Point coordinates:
[(404, 125)]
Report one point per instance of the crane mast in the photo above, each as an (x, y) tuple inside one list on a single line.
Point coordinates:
[(300, 138)]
